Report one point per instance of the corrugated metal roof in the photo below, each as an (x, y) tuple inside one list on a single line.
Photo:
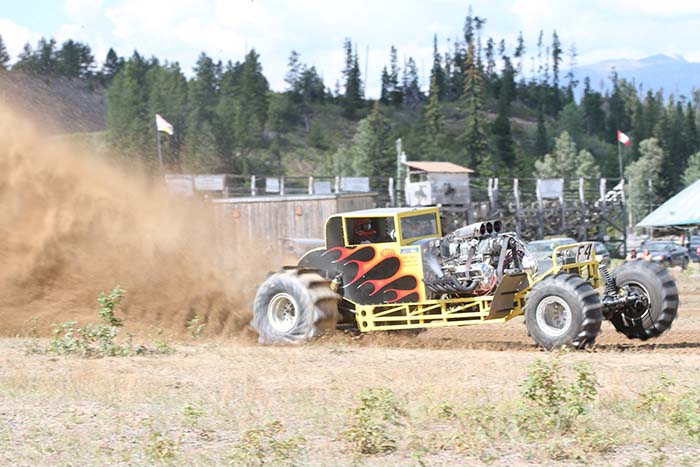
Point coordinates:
[(681, 210), (438, 167)]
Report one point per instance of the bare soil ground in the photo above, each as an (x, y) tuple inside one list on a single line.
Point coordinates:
[(683, 338), (194, 407)]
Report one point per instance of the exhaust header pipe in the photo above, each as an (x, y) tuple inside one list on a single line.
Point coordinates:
[(479, 229)]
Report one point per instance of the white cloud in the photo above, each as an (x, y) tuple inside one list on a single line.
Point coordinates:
[(225, 29), (83, 10), (15, 36)]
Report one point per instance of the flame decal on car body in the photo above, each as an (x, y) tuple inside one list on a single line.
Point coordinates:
[(377, 278)]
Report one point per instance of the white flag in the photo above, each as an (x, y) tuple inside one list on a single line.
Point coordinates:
[(163, 125)]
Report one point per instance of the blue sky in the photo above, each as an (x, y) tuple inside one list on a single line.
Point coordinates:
[(179, 30)]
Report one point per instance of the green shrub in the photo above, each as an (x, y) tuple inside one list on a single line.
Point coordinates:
[(552, 402), (192, 414), (100, 340), (161, 343), (265, 446), (195, 326), (92, 340), (109, 303), (161, 449), (678, 408), (370, 422)]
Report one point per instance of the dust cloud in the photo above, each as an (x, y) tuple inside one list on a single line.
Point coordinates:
[(73, 224)]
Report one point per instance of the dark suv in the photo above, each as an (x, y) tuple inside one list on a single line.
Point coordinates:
[(694, 248), (667, 253)]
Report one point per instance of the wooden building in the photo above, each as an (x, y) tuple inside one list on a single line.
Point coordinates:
[(431, 183), (276, 223)]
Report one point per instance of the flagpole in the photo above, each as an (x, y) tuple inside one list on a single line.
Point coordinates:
[(160, 155), (624, 200)]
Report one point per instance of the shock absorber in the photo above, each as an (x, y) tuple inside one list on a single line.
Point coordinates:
[(610, 287)]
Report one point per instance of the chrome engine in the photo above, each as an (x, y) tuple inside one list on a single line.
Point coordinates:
[(472, 260)]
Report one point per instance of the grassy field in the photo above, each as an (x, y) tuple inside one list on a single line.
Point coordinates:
[(226, 403), (477, 396)]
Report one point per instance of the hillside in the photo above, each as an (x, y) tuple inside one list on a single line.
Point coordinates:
[(57, 105)]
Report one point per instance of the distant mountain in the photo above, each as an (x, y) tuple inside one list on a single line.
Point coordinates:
[(672, 73)]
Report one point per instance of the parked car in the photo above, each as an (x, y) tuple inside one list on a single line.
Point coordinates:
[(667, 253), (694, 248), (542, 250), (602, 254)]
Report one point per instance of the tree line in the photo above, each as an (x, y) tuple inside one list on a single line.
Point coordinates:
[(499, 108)]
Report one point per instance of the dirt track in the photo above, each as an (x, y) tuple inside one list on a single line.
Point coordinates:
[(683, 337)]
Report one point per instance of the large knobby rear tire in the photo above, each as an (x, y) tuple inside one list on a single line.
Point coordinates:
[(657, 284), (563, 310), (293, 306)]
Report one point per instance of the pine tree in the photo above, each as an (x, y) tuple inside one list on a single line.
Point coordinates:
[(395, 91), (27, 60), (479, 25), (294, 71), (251, 110), (352, 100), (504, 155), (200, 151), (541, 137), (540, 64), (691, 130), (490, 59), (412, 95), (476, 134), (4, 56), (648, 167), (572, 82), (592, 104), (650, 116), (385, 95), (556, 63), (226, 110), (131, 128), (459, 58), (434, 123), (692, 172), (47, 57), (572, 121), (519, 54), (617, 114), (437, 73), (112, 64), (469, 29), (75, 60)]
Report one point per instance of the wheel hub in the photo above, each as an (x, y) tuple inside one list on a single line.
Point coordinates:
[(639, 301), (553, 316), (282, 312)]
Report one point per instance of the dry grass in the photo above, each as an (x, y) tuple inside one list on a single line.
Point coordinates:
[(193, 407)]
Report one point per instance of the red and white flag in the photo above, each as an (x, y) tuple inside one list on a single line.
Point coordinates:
[(623, 138)]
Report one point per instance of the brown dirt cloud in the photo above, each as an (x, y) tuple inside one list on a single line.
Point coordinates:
[(72, 224)]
